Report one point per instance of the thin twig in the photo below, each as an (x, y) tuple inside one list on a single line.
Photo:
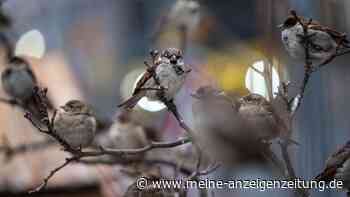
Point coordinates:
[(52, 173)]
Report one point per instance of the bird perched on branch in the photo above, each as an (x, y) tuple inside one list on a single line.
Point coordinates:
[(260, 115), (184, 15), (225, 126), (324, 42), (125, 134), (18, 81), (337, 167), (76, 124), (166, 75)]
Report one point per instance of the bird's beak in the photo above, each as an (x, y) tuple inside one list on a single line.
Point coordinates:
[(280, 26)]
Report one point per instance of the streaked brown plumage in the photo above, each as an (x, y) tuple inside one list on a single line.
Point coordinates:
[(324, 42), (337, 166), (225, 126), (339, 37), (260, 115), (76, 124)]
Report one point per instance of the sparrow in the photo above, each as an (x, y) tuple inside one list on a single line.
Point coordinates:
[(184, 15), (260, 115), (5, 20), (170, 71), (19, 82), (125, 134), (221, 131), (76, 124), (337, 167), (323, 41)]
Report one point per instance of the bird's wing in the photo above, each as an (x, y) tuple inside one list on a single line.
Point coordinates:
[(339, 37), (146, 76)]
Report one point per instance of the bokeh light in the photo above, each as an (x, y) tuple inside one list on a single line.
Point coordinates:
[(256, 83), (126, 91), (31, 44)]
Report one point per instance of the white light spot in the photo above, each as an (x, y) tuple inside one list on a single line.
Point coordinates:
[(129, 84), (146, 104), (31, 44), (256, 83)]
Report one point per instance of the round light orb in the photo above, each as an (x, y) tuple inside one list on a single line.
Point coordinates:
[(256, 83), (132, 78), (31, 44)]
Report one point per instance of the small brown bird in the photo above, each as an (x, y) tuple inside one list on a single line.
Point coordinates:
[(324, 41), (171, 73), (184, 15), (18, 82), (222, 131), (337, 167), (260, 115), (76, 124)]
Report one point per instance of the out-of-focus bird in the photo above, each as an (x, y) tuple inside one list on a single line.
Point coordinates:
[(260, 115), (18, 80), (337, 167), (221, 131), (184, 15), (125, 134), (323, 41), (170, 71), (76, 124)]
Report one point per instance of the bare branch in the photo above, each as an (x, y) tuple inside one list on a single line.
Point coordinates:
[(52, 173), (11, 102)]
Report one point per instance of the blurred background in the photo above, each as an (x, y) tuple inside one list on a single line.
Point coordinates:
[(95, 51)]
